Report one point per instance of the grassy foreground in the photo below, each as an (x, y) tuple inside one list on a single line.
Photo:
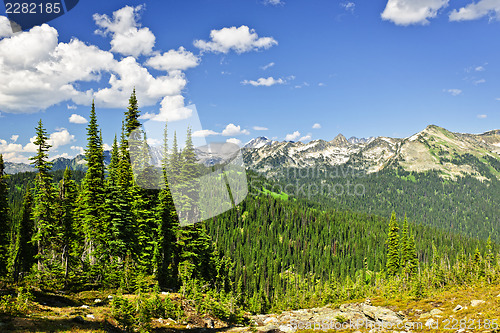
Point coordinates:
[(92, 311)]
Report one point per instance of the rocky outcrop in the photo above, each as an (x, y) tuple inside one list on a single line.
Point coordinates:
[(347, 316)]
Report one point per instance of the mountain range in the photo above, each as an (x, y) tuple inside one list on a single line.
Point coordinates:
[(434, 148)]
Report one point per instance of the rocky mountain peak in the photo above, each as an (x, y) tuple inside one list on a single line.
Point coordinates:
[(339, 140)]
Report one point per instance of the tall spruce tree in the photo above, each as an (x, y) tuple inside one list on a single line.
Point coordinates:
[(91, 203), (67, 198), (132, 115), (393, 246), (23, 254), (44, 214), (5, 223), (166, 269)]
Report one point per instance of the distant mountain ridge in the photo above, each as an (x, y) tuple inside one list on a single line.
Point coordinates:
[(434, 148)]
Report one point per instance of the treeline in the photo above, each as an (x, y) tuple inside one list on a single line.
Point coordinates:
[(293, 254), (465, 205)]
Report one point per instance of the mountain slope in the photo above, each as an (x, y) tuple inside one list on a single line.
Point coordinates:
[(434, 148)]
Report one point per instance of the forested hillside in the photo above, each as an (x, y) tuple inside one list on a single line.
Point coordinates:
[(465, 205), (75, 231)]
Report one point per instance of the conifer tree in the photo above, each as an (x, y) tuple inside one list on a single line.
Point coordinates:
[(412, 255), (5, 224), (132, 115), (67, 198), (44, 201), (393, 246), (91, 203), (404, 244), (23, 253), (118, 206), (166, 268), (193, 242)]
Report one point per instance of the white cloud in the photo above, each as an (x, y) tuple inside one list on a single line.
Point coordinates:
[(479, 69), (127, 37), (5, 28), (106, 147), (406, 12), (306, 138), (260, 128), (321, 84), (453, 92), (14, 152), (269, 65), (154, 142), (78, 149), (15, 157), (293, 136), (349, 6), (130, 74), (274, 2), (482, 116), (242, 39), (71, 107), (234, 140), (44, 74), (172, 109), (270, 81), (60, 138), (77, 119), (316, 126), (233, 130), (63, 155), (479, 81), (174, 60), (204, 133), (476, 10)]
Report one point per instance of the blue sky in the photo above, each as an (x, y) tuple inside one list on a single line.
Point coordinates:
[(253, 68)]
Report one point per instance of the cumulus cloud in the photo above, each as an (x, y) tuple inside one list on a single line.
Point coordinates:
[(14, 152), (482, 116), (476, 10), (174, 60), (5, 28), (44, 74), (234, 140), (240, 40), (127, 36), (78, 149), (260, 128), (172, 109), (270, 81), (316, 126), (204, 133), (406, 12), (453, 92), (71, 107), (60, 138), (293, 136), (233, 130), (63, 155), (77, 119), (306, 137)]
